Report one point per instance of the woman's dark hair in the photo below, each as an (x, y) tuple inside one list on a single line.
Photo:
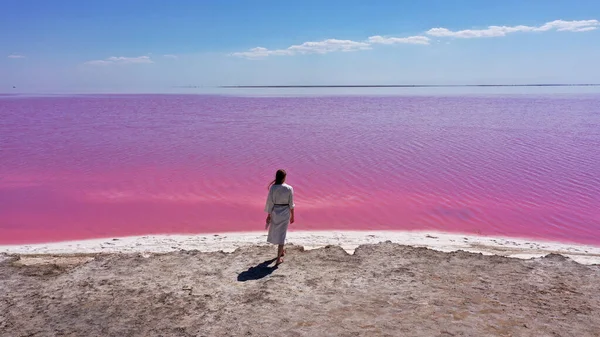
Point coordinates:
[(279, 178)]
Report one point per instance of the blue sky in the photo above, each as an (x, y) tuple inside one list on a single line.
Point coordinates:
[(137, 46)]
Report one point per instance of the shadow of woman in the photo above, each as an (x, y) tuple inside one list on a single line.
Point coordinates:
[(257, 272)]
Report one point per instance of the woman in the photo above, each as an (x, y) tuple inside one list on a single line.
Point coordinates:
[(280, 206)]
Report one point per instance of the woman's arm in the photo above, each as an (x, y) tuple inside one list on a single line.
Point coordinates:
[(291, 204), (269, 204), (269, 207)]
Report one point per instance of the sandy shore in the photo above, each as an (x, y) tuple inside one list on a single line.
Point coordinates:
[(94, 288), (348, 240)]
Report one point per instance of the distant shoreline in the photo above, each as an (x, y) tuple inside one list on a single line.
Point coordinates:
[(224, 88), (400, 86)]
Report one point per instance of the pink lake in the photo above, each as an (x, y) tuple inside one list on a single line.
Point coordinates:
[(77, 167)]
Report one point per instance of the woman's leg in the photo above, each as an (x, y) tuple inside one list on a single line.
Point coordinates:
[(279, 254)]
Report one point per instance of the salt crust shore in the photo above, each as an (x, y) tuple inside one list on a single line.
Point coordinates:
[(165, 286), (348, 240)]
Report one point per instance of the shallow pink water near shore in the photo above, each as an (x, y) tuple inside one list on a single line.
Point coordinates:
[(105, 166)]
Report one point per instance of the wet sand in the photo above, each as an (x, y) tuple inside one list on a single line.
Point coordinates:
[(383, 289)]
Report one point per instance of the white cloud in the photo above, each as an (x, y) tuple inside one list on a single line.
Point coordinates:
[(260, 52), (393, 40), (171, 56), (328, 46), (98, 62), (570, 26), (319, 47), (16, 56), (334, 45), (497, 31), (585, 29), (121, 60)]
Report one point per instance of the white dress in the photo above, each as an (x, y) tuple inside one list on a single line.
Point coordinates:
[(280, 202)]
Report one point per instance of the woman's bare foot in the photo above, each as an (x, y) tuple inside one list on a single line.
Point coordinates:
[(279, 261), (283, 253)]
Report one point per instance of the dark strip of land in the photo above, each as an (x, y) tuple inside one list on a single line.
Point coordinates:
[(407, 86)]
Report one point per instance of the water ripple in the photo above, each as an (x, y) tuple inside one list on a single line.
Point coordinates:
[(76, 166)]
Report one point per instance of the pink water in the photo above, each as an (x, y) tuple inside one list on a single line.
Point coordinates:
[(105, 166)]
